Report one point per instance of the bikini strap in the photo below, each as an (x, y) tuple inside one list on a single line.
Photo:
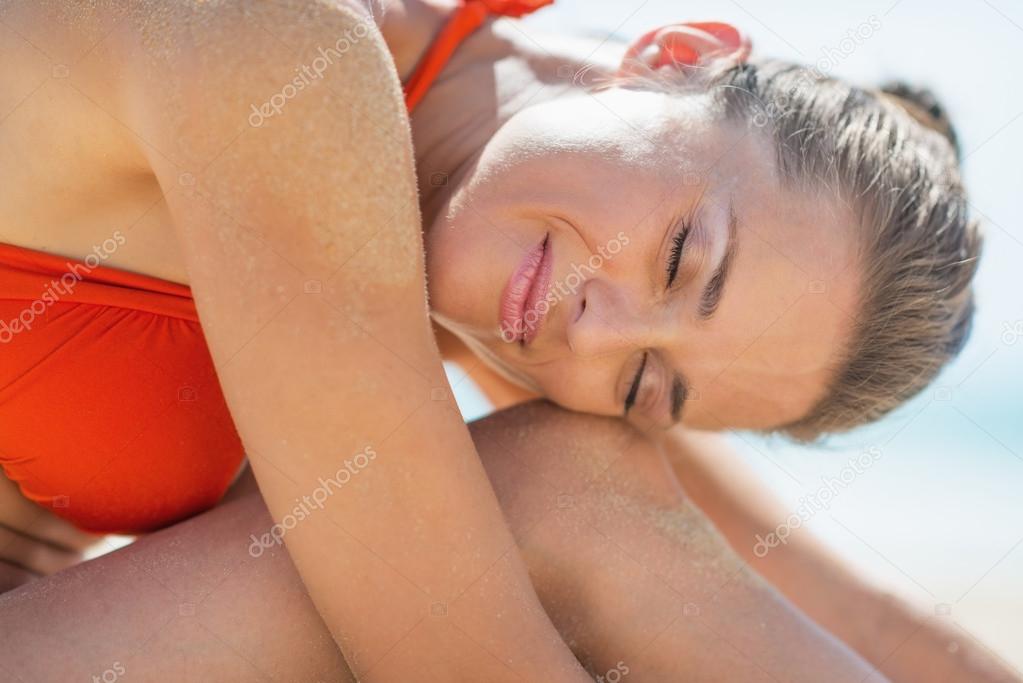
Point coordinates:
[(469, 16)]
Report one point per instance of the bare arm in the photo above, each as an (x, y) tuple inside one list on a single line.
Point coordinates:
[(896, 638), (322, 191)]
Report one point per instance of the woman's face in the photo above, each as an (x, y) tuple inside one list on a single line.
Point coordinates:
[(681, 278)]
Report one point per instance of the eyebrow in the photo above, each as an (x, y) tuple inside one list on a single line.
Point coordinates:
[(679, 389), (715, 288)]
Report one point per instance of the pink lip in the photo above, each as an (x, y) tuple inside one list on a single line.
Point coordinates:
[(526, 288)]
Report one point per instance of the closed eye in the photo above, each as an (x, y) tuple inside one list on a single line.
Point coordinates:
[(678, 243), (678, 240), (630, 399)]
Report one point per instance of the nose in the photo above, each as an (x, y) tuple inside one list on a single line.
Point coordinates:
[(616, 318)]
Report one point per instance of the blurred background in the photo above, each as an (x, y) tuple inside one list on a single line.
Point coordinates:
[(938, 517)]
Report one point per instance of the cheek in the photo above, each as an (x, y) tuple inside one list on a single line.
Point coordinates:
[(582, 385), (778, 376), (442, 267), (462, 262)]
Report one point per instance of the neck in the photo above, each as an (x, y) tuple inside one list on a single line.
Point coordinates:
[(496, 72)]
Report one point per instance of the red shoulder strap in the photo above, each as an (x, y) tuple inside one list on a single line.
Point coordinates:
[(469, 16)]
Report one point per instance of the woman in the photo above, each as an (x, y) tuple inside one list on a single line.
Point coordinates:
[(730, 255)]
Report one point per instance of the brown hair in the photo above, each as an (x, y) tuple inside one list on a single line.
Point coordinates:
[(893, 157)]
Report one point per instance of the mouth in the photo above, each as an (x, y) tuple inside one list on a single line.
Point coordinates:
[(523, 307)]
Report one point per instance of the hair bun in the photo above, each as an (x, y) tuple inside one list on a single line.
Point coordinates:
[(923, 105)]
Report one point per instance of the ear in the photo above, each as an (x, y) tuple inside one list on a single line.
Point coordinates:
[(689, 44)]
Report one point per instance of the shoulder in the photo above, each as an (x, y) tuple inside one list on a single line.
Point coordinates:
[(198, 64), (289, 86)]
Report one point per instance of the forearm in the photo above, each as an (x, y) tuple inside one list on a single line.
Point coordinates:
[(419, 522), (903, 643), (325, 192)]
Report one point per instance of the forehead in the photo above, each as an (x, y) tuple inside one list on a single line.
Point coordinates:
[(785, 319)]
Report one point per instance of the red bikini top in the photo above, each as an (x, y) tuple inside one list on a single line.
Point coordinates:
[(111, 412), (466, 19)]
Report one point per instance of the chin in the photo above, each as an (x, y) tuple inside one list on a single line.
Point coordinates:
[(494, 362)]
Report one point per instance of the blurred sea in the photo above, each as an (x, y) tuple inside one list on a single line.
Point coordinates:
[(939, 516)]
